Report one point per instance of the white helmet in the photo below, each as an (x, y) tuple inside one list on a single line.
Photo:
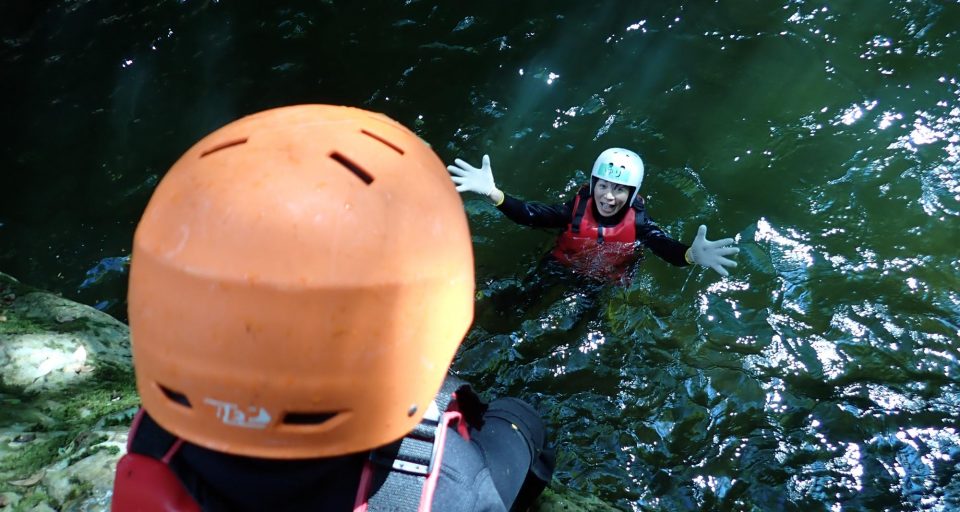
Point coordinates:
[(618, 165)]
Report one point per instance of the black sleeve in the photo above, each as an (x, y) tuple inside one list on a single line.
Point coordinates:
[(659, 242), (537, 215)]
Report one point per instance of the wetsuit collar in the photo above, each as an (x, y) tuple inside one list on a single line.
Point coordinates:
[(608, 221)]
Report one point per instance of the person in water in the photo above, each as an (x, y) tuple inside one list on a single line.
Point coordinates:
[(605, 224), (299, 284)]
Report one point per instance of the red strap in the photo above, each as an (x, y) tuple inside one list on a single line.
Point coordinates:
[(462, 427), (144, 484), (363, 491), (430, 485)]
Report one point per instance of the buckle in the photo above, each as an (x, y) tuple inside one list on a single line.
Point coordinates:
[(412, 467), (396, 457)]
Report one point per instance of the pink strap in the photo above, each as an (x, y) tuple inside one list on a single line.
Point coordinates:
[(363, 491), (430, 486)]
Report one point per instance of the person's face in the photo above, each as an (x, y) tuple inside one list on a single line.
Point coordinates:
[(610, 197)]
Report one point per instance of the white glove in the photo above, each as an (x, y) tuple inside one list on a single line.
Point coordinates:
[(705, 253), (471, 179)]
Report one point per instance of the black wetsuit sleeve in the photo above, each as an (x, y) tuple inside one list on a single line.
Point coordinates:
[(537, 215), (660, 243)]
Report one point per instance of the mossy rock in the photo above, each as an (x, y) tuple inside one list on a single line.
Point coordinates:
[(49, 343), (560, 499), (64, 417), (67, 395)]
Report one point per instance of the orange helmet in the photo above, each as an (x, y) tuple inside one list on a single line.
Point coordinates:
[(300, 281)]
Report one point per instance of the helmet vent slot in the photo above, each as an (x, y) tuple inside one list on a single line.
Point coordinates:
[(307, 418), (383, 141), (365, 176), (175, 396), (224, 145)]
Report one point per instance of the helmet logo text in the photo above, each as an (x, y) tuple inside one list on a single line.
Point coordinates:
[(612, 171), (236, 416)]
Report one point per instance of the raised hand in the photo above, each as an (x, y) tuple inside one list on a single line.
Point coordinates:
[(472, 179), (712, 254)]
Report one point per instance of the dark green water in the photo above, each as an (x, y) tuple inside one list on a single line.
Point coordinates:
[(822, 375)]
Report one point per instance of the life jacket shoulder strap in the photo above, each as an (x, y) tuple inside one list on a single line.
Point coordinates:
[(144, 481), (145, 484), (640, 213), (579, 208)]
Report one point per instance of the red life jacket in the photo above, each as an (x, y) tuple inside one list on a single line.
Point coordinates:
[(147, 484), (594, 250)]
